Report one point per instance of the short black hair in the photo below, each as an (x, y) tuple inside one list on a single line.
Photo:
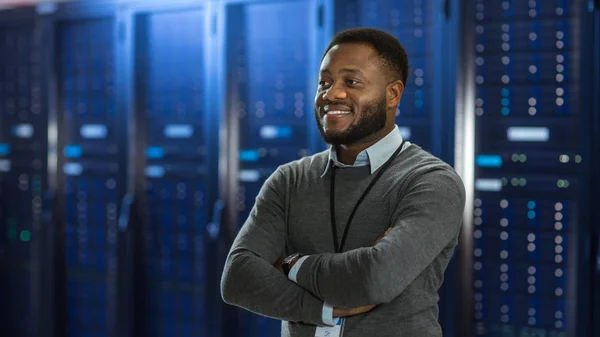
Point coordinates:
[(389, 49)]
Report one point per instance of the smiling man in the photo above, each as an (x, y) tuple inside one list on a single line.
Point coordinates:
[(352, 241)]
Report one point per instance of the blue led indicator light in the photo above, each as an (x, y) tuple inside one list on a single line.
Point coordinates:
[(505, 92), (4, 149), (488, 161), (73, 151), (274, 132), (531, 205), (155, 152), (249, 155), (505, 111), (285, 132), (531, 215), (505, 101)]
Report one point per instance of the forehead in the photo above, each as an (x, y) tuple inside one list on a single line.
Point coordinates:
[(353, 56)]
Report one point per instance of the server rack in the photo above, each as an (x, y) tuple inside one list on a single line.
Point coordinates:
[(92, 160), (23, 169), (271, 82), (531, 166), (176, 63)]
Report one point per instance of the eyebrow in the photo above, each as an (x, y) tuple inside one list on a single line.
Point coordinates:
[(345, 70)]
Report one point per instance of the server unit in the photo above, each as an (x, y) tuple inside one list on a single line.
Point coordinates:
[(532, 157)]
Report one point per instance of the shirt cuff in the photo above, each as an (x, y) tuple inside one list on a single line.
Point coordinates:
[(328, 318), (294, 271)]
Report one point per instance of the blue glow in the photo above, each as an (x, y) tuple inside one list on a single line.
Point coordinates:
[(93, 131), (419, 93), (405, 132), (249, 176), (528, 134), (178, 131), (531, 215), (155, 152), (505, 101), (505, 92), (22, 130), (488, 185), (419, 103), (531, 205), (488, 161), (4, 149), (5, 165), (73, 151), (73, 169), (505, 111), (274, 132), (155, 171), (249, 155)]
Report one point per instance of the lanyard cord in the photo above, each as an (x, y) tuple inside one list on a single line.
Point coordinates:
[(339, 248)]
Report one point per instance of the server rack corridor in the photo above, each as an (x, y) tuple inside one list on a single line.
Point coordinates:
[(135, 135)]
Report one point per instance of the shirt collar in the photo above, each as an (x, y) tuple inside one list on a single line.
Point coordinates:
[(375, 155)]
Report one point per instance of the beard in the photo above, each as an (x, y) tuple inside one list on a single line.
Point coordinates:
[(371, 120)]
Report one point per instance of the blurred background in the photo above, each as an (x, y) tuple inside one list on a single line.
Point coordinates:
[(135, 135)]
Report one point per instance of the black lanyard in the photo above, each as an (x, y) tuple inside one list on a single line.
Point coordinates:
[(338, 248)]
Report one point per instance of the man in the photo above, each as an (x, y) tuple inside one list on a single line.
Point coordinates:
[(365, 229)]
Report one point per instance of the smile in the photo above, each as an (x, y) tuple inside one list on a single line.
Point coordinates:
[(338, 112)]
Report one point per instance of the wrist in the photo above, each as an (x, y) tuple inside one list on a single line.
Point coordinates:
[(289, 262)]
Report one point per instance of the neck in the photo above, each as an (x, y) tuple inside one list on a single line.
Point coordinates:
[(347, 153)]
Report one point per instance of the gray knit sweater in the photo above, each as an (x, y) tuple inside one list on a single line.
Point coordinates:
[(419, 195)]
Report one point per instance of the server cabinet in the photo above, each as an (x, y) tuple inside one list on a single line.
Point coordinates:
[(177, 129), (273, 55), (531, 206), (92, 160), (23, 164)]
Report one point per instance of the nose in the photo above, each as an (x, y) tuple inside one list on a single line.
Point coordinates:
[(334, 93)]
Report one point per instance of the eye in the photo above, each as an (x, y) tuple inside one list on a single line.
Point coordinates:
[(323, 83), (352, 82)]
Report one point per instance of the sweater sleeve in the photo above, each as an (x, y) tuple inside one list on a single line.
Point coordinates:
[(249, 279), (425, 221)]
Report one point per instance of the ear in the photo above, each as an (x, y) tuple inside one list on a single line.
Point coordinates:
[(394, 93)]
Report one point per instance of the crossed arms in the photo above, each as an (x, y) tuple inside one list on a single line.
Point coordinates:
[(424, 222)]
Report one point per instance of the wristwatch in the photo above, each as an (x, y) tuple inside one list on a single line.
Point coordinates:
[(286, 264)]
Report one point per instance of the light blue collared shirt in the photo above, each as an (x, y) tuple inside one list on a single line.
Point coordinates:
[(375, 155)]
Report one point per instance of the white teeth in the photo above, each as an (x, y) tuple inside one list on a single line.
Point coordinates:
[(338, 112)]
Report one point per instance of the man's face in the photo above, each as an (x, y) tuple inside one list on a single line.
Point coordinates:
[(350, 104)]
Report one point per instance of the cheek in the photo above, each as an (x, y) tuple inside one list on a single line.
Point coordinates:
[(318, 98)]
